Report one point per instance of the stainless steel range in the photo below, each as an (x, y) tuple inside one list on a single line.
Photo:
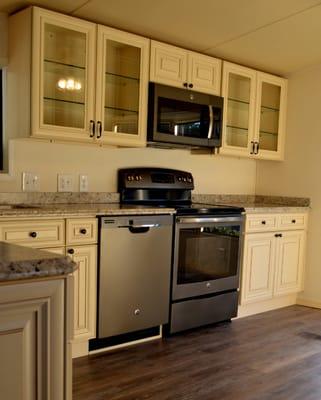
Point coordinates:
[(206, 246)]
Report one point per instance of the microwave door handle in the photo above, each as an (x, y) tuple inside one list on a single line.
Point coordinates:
[(211, 125)]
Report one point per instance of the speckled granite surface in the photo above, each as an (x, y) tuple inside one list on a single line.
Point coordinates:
[(18, 262)]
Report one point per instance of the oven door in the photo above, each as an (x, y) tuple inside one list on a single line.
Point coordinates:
[(207, 252)]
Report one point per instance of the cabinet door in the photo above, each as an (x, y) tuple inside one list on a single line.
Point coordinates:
[(289, 263), (258, 267), (122, 87), (63, 76), (270, 116), (204, 73), (84, 291), (238, 90), (32, 341), (168, 64)]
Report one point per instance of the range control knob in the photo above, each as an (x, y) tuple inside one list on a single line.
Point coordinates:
[(208, 285)]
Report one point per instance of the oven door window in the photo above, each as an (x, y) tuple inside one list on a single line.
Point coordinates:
[(181, 118), (207, 253)]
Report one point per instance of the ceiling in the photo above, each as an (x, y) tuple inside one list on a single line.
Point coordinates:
[(277, 36)]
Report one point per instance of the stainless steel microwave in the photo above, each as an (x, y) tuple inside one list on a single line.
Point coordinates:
[(181, 117)]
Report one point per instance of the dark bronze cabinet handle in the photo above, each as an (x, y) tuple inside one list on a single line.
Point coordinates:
[(263, 222), (252, 150), (92, 128), (257, 147), (293, 221), (278, 235), (185, 84), (33, 234), (83, 231), (71, 251), (100, 129), (191, 85)]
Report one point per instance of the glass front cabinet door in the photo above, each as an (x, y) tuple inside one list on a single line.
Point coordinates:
[(254, 113), (122, 85), (63, 76)]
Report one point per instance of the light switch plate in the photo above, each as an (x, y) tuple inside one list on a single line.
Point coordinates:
[(30, 182), (65, 183), (83, 183)]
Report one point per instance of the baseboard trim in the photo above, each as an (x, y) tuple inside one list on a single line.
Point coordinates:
[(308, 302), (79, 349), (267, 305)]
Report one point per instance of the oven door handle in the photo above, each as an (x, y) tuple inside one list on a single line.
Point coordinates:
[(202, 220), (210, 128)]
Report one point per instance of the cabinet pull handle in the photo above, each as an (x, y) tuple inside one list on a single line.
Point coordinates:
[(92, 128), (185, 84), (278, 235), (33, 234), (71, 251), (293, 221), (191, 85), (100, 129), (263, 222), (252, 150), (83, 231), (257, 147)]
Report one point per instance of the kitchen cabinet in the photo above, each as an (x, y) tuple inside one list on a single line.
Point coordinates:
[(34, 339), (76, 237), (173, 66), (273, 259), (88, 83), (254, 114)]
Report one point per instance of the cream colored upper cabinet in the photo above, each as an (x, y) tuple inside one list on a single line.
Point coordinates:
[(63, 76), (239, 91), (254, 113), (270, 116), (174, 66), (122, 87)]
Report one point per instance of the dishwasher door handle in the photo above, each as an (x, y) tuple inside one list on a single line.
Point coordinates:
[(140, 226)]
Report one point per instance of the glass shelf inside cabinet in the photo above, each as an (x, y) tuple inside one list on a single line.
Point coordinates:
[(64, 77), (122, 88)]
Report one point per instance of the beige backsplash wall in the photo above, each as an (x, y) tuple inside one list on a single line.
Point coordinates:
[(300, 173), (213, 174)]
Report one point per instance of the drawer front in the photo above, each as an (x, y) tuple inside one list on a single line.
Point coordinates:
[(34, 233), (56, 250), (81, 231), (261, 223), (293, 221)]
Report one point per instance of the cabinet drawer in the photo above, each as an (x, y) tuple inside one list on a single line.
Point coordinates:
[(292, 221), (81, 231), (34, 233), (261, 223)]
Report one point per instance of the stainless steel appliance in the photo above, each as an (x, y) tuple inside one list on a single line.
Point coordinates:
[(134, 273), (180, 117), (206, 247)]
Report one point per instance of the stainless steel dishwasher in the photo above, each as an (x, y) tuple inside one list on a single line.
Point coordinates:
[(134, 273)]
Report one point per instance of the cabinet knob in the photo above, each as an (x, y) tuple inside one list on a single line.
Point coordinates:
[(263, 222), (137, 311), (83, 231), (71, 251), (293, 221), (278, 235), (191, 85), (33, 234), (185, 84)]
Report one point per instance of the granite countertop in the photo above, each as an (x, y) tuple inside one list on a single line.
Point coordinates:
[(18, 262)]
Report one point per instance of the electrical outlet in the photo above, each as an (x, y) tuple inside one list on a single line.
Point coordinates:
[(83, 183), (65, 183), (30, 182)]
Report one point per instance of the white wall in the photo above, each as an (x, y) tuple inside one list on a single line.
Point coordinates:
[(300, 174), (213, 174)]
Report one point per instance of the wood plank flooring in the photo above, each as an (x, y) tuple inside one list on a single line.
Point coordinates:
[(275, 355)]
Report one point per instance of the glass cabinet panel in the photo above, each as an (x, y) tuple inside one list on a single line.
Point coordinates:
[(64, 77), (122, 88), (238, 104), (269, 116)]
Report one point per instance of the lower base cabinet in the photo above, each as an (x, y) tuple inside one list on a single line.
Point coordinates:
[(273, 263), (34, 335)]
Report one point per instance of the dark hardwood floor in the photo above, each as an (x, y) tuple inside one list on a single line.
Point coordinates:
[(275, 355)]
